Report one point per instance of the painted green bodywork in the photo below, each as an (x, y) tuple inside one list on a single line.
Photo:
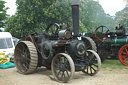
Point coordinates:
[(115, 41), (109, 43)]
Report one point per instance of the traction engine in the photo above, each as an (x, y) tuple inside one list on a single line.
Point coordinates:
[(58, 49), (111, 44)]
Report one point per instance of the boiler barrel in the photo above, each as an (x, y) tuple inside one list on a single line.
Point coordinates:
[(118, 41)]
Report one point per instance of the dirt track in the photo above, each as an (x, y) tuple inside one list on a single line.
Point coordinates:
[(43, 76)]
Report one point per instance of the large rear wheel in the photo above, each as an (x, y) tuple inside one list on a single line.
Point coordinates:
[(26, 58), (123, 55), (90, 44), (62, 67)]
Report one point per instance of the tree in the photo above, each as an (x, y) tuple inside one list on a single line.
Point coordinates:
[(92, 15), (122, 17), (36, 15), (14, 27), (2, 13), (0, 30)]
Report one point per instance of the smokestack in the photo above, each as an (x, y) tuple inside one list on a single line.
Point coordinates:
[(75, 15)]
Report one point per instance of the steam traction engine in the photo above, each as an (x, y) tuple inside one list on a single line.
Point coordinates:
[(59, 50), (111, 43)]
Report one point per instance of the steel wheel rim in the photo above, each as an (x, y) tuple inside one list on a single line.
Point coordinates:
[(89, 43), (62, 67), (93, 63), (123, 55), (23, 58)]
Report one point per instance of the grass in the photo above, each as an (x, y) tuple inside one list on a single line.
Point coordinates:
[(113, 64)]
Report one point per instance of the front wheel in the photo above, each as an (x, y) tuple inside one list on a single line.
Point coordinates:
[(93, 63), (123, 55), (62, 67)]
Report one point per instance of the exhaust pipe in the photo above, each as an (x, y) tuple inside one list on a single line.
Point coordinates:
[(75, 16)]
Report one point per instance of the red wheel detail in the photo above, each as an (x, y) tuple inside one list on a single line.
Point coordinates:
[(96, 32), (126, 50), (123, 55), (126, 59), (103, 35), (98, 37)]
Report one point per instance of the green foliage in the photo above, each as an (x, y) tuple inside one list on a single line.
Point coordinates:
[(122, 17), (92, 15), (36, 15), (2, 13), (14, 26), (0, 30), (82, 28)]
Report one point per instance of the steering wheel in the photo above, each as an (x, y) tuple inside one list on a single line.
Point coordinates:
[(103, 29), (53, 28)]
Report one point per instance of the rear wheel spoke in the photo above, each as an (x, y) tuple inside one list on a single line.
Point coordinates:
[(20, 50)]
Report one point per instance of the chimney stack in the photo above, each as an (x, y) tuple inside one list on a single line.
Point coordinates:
[(75, 16)]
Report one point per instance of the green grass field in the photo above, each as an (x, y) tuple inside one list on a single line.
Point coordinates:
[(113, 64)]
